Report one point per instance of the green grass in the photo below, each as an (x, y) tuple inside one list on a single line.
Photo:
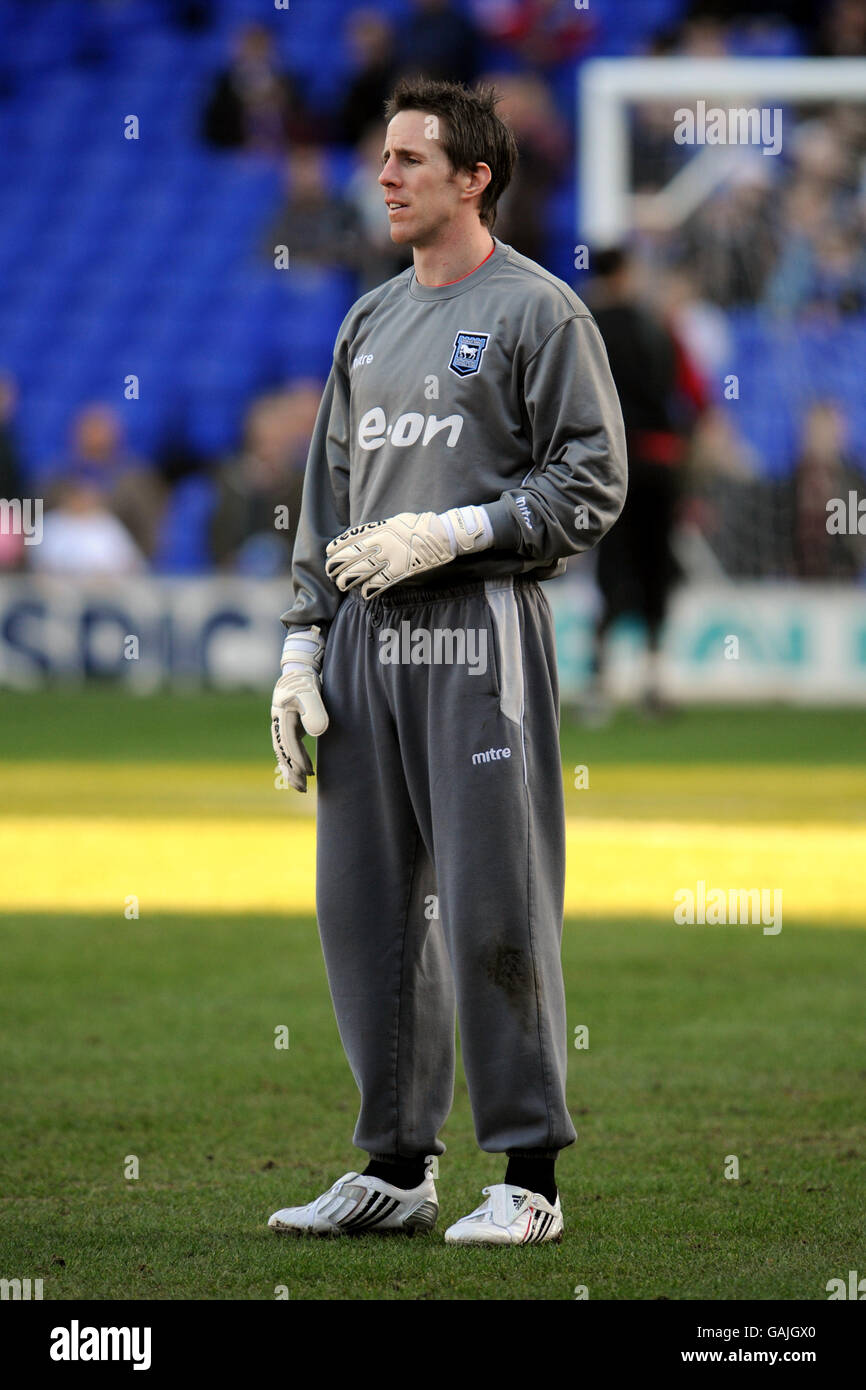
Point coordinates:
[(111, 726), (155, 1039)]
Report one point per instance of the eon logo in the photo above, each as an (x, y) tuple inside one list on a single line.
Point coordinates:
[(374, 430), (362, 359)]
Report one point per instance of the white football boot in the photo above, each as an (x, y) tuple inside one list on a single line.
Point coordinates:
[(357, 1204), (510, 1216)]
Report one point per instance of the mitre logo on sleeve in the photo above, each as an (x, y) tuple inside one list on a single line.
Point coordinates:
[(467, 354)]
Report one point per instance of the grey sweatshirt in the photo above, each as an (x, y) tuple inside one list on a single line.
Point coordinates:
[(494, 390)]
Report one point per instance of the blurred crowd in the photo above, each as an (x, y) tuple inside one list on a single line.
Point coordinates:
[(104, 507), (787, 234)]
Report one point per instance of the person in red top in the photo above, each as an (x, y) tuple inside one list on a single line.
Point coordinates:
[(661, 393)]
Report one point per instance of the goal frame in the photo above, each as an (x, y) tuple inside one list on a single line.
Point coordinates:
[(607, 86)]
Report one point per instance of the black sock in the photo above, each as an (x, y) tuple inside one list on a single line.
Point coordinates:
[(397, 1170), (535, 1171)]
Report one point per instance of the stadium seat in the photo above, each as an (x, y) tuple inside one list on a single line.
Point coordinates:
[(183, 546), (142, 255)]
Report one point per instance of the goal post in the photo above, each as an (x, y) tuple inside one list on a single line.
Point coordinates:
[(608, 86)]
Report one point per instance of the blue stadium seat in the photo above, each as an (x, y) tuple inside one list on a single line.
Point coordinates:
[(141, 255), (183, 546)]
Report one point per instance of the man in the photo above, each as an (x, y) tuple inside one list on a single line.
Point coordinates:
[(660, 394), (468, 441)]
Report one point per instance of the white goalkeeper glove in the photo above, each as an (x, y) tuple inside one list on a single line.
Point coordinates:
[(297, 702), (381, 553)]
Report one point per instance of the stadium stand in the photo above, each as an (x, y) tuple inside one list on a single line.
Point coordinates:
[(141, 257)]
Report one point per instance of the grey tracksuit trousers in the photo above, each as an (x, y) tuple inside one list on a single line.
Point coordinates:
[(441, 862)]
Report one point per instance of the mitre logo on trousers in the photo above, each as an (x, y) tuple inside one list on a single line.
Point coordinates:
[(467, 354)]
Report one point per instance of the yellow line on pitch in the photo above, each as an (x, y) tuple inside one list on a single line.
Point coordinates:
[(615, 867)]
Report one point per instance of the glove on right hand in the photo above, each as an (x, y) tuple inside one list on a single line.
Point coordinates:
[(297, 703)]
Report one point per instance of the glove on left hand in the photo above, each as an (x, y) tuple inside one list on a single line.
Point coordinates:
[(381, 553)]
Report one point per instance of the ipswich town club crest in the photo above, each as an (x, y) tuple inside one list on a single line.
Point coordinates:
[(467, 354)]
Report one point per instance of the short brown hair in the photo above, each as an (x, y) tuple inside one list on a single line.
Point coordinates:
[(471, 133)]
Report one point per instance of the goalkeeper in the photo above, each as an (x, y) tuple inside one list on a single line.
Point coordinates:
[(468, 441)]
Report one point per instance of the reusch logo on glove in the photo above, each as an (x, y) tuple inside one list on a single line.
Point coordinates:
[(279, 742), (359, 530)]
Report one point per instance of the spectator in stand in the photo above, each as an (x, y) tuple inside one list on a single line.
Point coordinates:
[(703, 33), (732, 241), (99, 461), (12, 547), (542, 137), (371, 39), (825, 276), (823, 265), (824, 471), (544, 34), (81, 536), (254, 104), (719, 451), (380, 258), (842, 29), (318, 225), (703, 328), (440, 42), (246, 534), (729, 523), (656, 157), (826, 160)]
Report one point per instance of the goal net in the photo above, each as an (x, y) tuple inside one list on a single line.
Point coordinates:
[(741, 185)]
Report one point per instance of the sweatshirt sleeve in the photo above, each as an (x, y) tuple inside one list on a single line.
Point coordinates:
[(576, 487), (324, 507)]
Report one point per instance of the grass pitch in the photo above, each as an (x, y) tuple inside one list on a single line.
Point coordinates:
[(152, 1037)]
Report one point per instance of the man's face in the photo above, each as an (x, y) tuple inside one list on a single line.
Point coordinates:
[(416, 175), (96, 434)]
